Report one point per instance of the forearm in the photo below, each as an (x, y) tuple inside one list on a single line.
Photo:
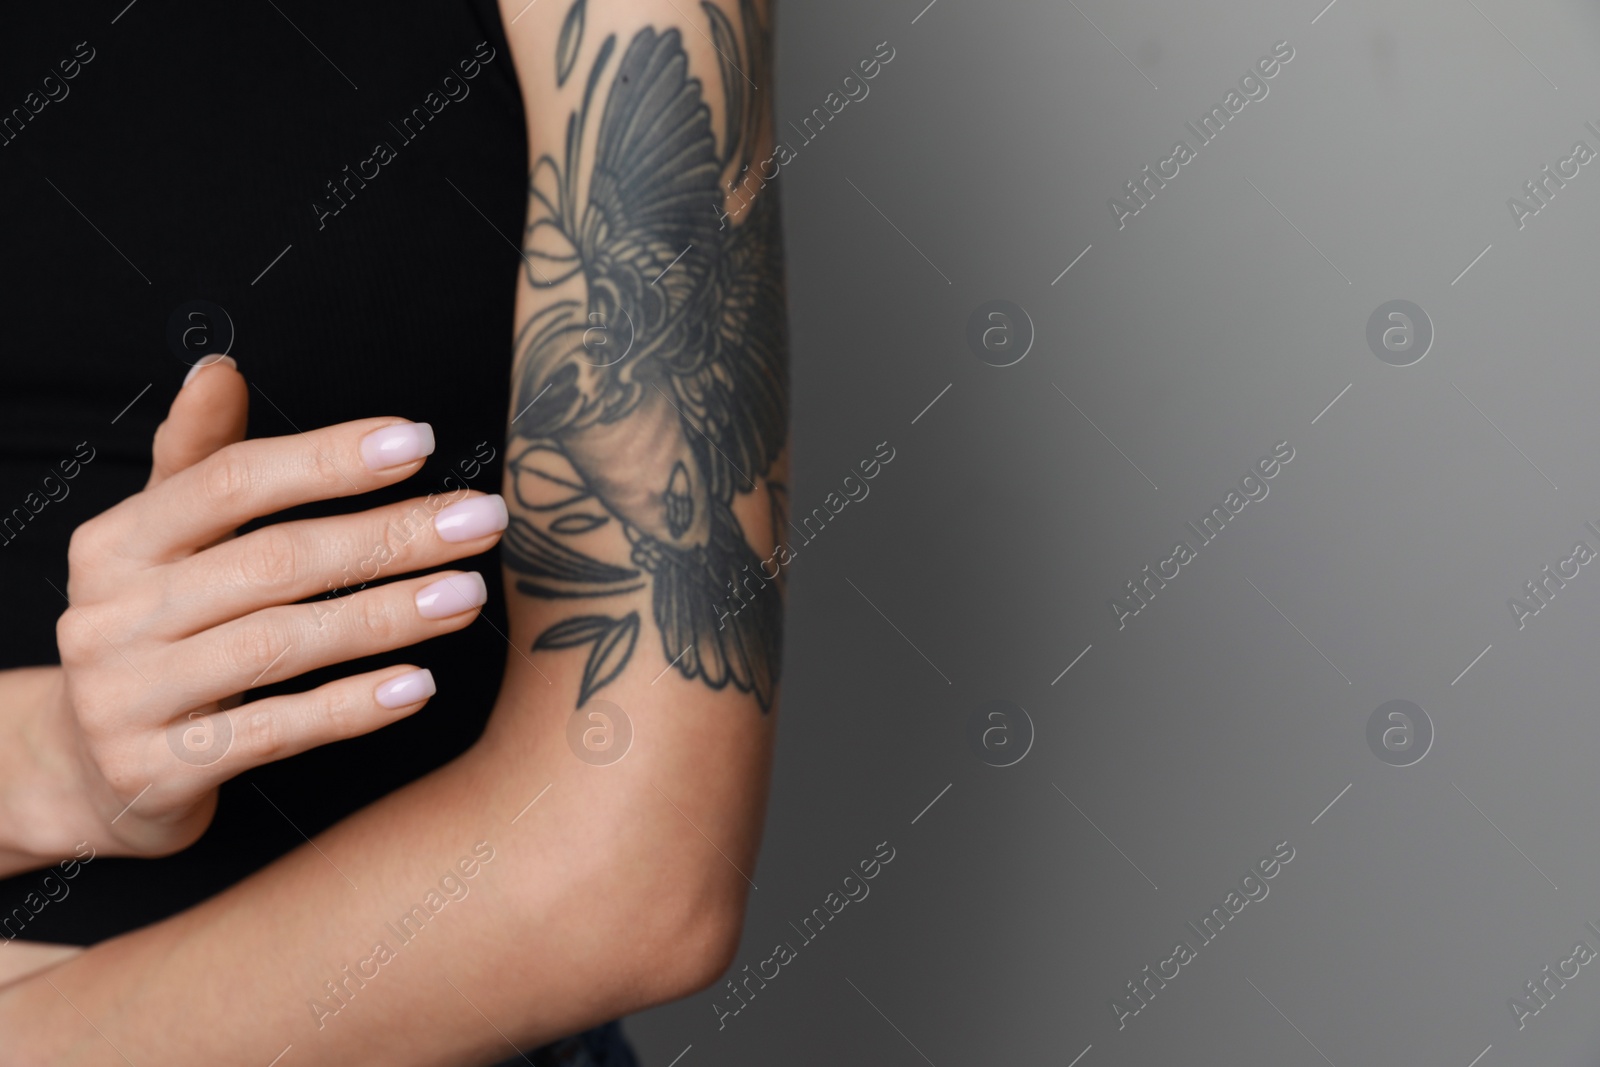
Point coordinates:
[(19, 959), (600, 899)]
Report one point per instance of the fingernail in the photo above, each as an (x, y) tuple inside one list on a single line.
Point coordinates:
[(207, 362), (472, 519), (394, 445), (406, 689), (451, 596)]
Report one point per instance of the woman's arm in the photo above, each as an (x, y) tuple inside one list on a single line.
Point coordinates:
[(535, 887)]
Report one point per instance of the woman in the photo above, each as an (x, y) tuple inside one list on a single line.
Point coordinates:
[(478, 861)]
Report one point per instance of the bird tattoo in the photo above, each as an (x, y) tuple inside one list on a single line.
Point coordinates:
[(657, 370)]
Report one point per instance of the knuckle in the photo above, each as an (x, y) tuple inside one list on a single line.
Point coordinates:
[(226, 478), (390, 541), (402, 530), (272, 559), (75, 637), (377, 621), (321, 469), (387, 542), (124, 776), (263, 735), (252, 647), (343, 712), (86, 547)]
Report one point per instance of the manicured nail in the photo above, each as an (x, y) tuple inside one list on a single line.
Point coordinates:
[(451, 596), (207, 362), (406, 689), (394, 445), (472, 519)]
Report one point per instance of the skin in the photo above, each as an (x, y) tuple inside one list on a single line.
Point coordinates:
[(83, 749), (610, 887), (169, 620), (676, 424)]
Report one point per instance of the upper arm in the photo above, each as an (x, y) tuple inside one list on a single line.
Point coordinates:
[(648, 430), (647, 436)]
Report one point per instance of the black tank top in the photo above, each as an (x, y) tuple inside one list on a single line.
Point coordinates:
[(156, 155)]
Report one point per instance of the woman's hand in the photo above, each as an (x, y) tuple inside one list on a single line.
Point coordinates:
[(171, 617)]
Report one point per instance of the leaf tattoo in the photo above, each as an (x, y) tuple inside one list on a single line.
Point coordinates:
[(578, 524), (567, 44), (612, 640)]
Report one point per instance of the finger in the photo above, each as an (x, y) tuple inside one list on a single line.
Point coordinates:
[(250, 479), (208, 413), (273, 644), (228, 743), (291, 561)]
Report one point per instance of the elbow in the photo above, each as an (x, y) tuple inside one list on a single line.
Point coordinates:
[(698, 922)]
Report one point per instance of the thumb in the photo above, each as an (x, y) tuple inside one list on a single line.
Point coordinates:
[(208, 413)]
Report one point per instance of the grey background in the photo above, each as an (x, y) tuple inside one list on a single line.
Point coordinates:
[(1213, 326)]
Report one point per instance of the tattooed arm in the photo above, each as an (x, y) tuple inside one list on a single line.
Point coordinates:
[(651, 379), (554, 885)]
